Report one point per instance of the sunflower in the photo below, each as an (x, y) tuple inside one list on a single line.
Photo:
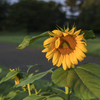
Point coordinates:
[(65, 47), (16, 78)]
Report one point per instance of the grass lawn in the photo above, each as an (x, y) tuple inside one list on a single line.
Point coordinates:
[(16, 38)]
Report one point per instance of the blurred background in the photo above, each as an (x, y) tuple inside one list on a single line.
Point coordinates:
[(42, 15), (19, 18)]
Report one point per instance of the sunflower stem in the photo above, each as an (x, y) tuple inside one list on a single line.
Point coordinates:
[(67, 91), (29, 91)]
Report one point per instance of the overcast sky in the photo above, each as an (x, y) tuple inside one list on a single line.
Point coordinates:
[(58, 1)]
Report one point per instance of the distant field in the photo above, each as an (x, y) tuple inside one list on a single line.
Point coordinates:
[(93, 44), (17, 38)]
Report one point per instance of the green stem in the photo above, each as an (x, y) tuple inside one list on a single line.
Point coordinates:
[(29, 91), (67, 91)]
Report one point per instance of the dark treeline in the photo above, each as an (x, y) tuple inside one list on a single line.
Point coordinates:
[(37, 15), (89, 16), (31, 15)]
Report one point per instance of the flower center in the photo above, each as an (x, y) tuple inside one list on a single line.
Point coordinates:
[(67, 44)]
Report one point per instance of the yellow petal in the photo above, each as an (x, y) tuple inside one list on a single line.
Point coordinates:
[(55, 57), (65, 34), (49, 40), (68, 62), (46, 50), (66, 31), (72, 31), (78, 56), (80, 37), (64, 63), (50, 56), (82, 47), (77, 32), (79, 41), (51, 34), (57, 32), (73, 58), (57, 43), (11, 69), (60, 60), (73, 66), (49, 53), (78, 51)]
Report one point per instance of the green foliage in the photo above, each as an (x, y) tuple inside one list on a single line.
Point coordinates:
[(33, 78), (89, 34), (30, 66), (11, 95), (0, 70), (37, 97), (9, 76), (93, 47), (84, 80), (28, 40)]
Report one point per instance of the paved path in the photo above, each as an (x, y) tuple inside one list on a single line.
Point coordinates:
[(14, 58)]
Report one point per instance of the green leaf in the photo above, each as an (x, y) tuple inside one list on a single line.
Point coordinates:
[(30, 66), (28, 40), (12, 94), (89, 34), (55, 98), (36, 97), (0, 70), (33, 78), (74, 98), (84, 80), (9, 75)]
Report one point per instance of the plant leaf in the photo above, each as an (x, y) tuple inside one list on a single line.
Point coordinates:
[(0, 70), (84, 80), (74, 98), (30, 66), (12, 94), (9, 75), (33, 78), (36, 97), (89, 34), (28, 40), (55, 98)]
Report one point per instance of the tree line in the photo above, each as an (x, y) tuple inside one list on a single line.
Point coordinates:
[(38, 15), (31, 15)]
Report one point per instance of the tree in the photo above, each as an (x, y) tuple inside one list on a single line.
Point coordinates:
[(4, 9), (89, 17), (74, 6), (36, 15)]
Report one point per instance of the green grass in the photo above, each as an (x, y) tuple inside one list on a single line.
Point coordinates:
[(93, 46), (7, 86), (16, 38)]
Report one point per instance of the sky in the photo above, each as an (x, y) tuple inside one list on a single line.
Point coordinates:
[(58, 1)]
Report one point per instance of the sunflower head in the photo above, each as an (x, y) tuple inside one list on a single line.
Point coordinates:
[(65, 47), (15, 77)]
